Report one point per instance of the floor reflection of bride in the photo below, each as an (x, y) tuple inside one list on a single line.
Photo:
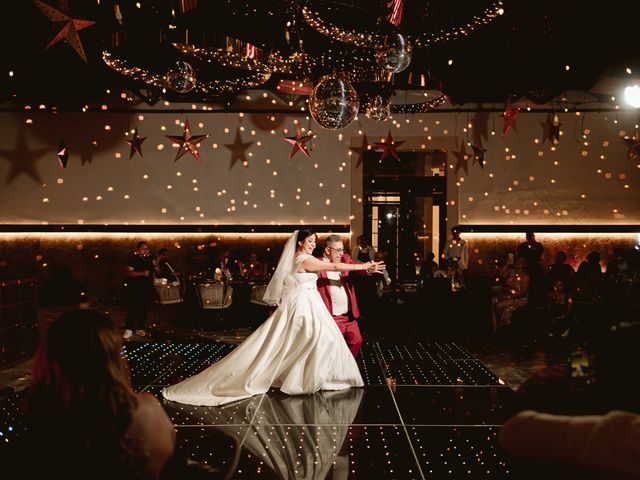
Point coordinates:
[(290, 437)]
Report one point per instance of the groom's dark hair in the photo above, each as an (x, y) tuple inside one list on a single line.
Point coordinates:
[(302, 234)]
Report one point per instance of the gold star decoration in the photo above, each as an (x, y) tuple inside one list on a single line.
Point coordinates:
[(298, 143), (238, 148), (510, 116), (23, 159), (67, 27), (633, 144), (462, 158), (360, 150), (136, 144), (388, 148), (63, 155), (478, 155), (187, 143)]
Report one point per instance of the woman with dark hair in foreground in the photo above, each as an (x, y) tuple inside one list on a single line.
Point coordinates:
[(83, 418)]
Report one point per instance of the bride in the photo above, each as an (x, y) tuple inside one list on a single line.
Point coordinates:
[(298, 349)]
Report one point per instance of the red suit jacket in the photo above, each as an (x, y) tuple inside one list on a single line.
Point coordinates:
[(347, 281)]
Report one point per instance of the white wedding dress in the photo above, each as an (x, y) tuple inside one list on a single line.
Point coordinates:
[(298, 349)]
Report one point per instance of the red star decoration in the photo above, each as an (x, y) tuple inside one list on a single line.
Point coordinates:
[(187, 143), (238, 148), (67, 27), (463, 158), (388, 148), (360, 150), (63, 155), (633, 144), (510, 115), (298, 143), (478, 155), (136, 144)]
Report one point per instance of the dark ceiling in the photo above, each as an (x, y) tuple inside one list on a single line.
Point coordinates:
[(522, 53)]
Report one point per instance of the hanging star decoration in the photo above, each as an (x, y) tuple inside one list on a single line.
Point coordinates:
[(66, 26), (299, 143), (546, 128), (478, 155), (23, 159), (633, 144), (238, 148), (480, 126), (136, 144), (554, 129), (462, 158), (63, 155), (510, 116), (388, 148), (364, 146), (187, 143)]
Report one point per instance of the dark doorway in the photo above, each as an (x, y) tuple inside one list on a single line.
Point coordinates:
[(405, 208)]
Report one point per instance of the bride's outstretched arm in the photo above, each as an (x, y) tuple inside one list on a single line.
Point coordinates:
[(312, 264)]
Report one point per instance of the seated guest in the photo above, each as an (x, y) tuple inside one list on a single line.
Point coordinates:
[(226, 263), (604, 444), (617, 267), (163, 268), (559, 307), (254, 270), (560, 270), (83, 419), (62, 289), (513, 295)]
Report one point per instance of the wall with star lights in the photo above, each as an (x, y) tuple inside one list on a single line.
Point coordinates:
[(246, 177)]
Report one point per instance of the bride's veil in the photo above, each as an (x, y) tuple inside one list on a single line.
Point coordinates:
[(273, 293)]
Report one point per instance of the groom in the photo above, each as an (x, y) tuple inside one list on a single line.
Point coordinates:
[(337, 291)]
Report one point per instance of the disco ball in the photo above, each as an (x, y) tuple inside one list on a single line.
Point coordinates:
[(395, 54), (180, 77), (378, 108), (333, 103)]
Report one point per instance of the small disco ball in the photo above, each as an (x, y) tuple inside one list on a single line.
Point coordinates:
[(395, 54), (180, 77), (378, 108), (333, 103)]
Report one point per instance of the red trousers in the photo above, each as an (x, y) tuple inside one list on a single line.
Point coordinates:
[(350, 331)]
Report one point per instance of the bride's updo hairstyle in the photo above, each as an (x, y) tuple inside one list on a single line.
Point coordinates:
[(303, 234)]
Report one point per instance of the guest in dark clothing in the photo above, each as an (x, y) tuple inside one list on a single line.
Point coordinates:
[(164, 269), (139, 275), (561, 271), (589, 278), (617, 267), (62, 290), (531, 250)]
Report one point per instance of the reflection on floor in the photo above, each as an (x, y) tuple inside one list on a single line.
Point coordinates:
[(428, 409)]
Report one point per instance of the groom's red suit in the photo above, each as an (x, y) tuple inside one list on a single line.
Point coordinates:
[(347, 323)]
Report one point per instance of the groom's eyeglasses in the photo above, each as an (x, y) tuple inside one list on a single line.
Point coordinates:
[(339, 250)]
